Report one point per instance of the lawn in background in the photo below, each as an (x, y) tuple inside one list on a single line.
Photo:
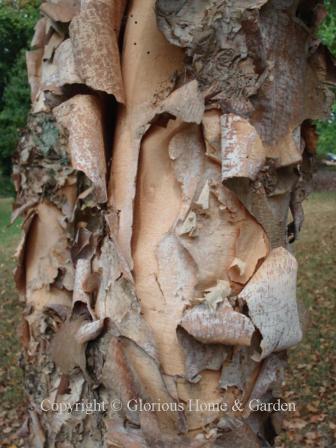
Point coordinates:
[(11, 392), (312, 364), (310, 379)]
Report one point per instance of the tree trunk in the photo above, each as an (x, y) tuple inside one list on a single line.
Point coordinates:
[(166, 145)]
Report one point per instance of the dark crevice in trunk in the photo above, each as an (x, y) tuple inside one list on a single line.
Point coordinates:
[(109, 125)]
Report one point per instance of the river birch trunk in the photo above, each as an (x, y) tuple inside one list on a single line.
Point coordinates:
[(169, 145)]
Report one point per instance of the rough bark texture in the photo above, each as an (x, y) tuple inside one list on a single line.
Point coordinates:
[(167, 143)]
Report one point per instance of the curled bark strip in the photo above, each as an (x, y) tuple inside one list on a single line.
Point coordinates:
[(94, 36), (271, 300), (222, 326), (82, 117)]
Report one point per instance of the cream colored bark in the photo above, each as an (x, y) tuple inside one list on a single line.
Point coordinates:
[(155, 176)]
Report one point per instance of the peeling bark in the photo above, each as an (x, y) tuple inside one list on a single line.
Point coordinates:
[(158, 270)]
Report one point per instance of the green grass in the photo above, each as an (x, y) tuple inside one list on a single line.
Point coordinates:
[(6, 186), (10, 312), (9, 234)]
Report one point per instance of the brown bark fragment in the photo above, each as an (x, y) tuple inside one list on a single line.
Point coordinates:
[(243, 153), (33, 60), (64, 70), (94, 36), (238, 369), (47, 251), (200, 357), (61, 11)]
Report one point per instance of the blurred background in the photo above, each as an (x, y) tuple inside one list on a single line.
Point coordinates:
[(310, 380)]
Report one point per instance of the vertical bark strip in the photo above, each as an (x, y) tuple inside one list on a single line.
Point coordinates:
[(164, 274)]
